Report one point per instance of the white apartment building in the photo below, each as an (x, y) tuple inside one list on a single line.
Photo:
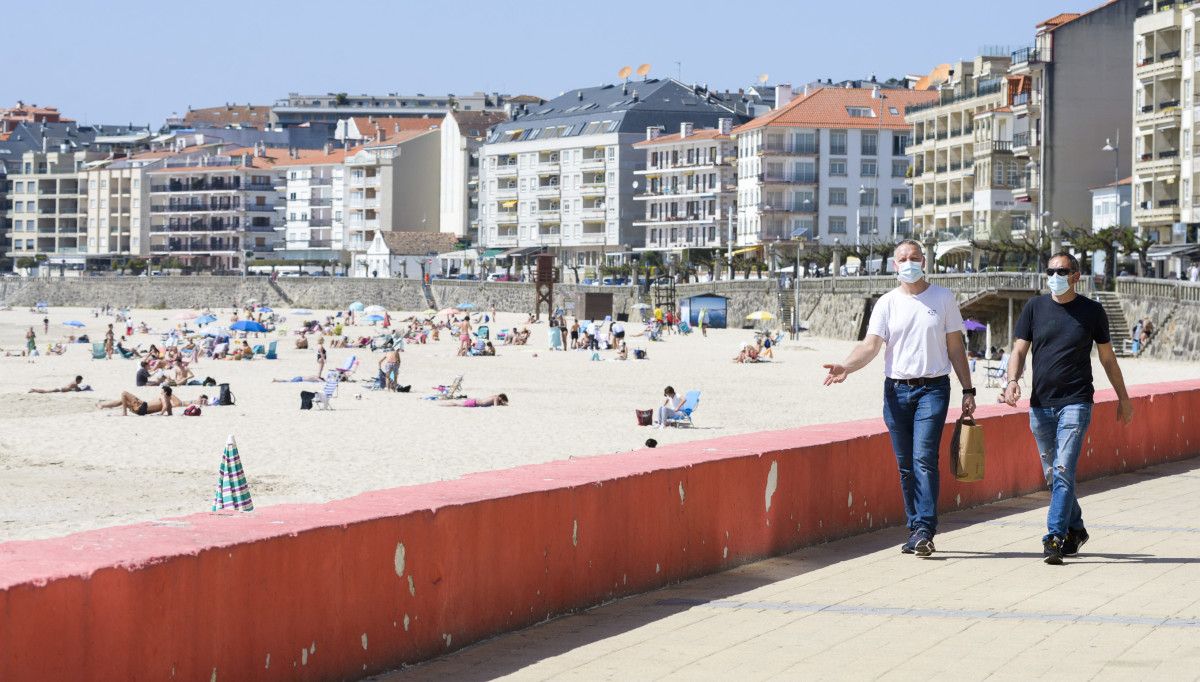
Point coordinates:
[(312, 184), (561, 176), (49, 206), (118, 207), (1166, 198), (688, 187), (214, 209), (828, 165)]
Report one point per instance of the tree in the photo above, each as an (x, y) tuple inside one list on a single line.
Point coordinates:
[(342, 99), (26, 263)]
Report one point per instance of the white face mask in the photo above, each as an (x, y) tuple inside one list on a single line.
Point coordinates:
[(910, 271), (1058, 284)]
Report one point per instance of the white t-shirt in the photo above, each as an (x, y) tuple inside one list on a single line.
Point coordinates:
[(914, 329)]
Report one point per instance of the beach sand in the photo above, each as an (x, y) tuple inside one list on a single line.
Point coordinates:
[(66, 466)]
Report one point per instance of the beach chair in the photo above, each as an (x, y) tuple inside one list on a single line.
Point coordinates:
[(556, 339), (98, 351), (778, 338), (272, 351), (327, 394), (690, 402), (451, 392), (996, 374), (347, 369), (482, 332), (684, 328)]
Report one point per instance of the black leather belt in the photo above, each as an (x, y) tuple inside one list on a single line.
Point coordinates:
[(922, 381)]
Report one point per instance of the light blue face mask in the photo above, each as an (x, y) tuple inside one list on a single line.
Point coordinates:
[(910, 272), (1058, 284)]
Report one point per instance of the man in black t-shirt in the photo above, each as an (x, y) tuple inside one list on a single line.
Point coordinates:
[(1061, 327)]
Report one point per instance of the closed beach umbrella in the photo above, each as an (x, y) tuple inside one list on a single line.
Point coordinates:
[(74, 323), (375, 309), (760, 315), (247, 326), (357, 306), (232, 490)]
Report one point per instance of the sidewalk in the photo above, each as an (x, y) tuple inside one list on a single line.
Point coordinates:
[(1127, 607)]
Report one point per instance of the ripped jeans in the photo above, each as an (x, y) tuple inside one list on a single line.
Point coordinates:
[(1059, 433)]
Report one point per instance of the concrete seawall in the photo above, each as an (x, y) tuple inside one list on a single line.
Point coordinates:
[(362, 585)]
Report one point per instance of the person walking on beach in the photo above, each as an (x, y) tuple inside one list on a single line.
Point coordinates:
[(321, 356), (920, 328), (31, 342), (46, 326), (1061, 327)]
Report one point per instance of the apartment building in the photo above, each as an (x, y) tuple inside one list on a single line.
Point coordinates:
[(1166, 202), (118, 208), (963, 170), (462, 135), (313, 205), (688, 187), (828, 164), (560, 175), (297, 109), (214, 209), (393, 185), (49, 214)]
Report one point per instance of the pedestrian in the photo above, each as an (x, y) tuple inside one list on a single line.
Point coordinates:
[(1061, 327), (46, 325), (920, 328)]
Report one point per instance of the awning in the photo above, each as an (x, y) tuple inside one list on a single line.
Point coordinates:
[(951, 247), (748, 249), (464, 255), (509, 204), (521, 251), (491, 253), (1165, 251)]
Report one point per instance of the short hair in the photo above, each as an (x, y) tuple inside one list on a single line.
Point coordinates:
[(1070, 259), (78, 378), (166, 390), (669, 390), (909, 242)]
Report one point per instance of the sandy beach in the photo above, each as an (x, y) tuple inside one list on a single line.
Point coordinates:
[(67, 466)]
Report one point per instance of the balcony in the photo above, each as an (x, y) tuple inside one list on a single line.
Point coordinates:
[(260, 186), (994, 147), (593, 188), (261, 208), (505, 169), (1167, 158), (592, 213), (319, 182), (788, 178), (1161, 210), (1020, 141), (198, 187), (592, 162), (1152, 67), (506, 216), (320, 201), (195, 208), (506, 192), (547, 190), (1024, 57), (787, 148), (791, 207)]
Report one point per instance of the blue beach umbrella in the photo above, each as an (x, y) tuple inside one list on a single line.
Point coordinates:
[(357, 306), (466, 306), (374, 318), (74, 323), (247, 326), (205, 319)]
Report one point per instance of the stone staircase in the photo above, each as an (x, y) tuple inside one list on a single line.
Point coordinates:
[(279, 291), (1118, 326), (787, 309)]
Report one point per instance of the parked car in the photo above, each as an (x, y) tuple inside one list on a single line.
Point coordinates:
[(501, 277)]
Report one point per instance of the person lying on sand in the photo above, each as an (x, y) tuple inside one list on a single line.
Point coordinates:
[(298, 380), (73, 387), (498, 400), (131, 403)]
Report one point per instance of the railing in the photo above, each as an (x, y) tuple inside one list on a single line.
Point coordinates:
[(1168, 104), (1168, 154), (1026, 54), (320, 201), (320, 181), (200, 187), (788, 148), (1156, 288), (968, 284), (802, 178), (949, 96), (1020, 139), (261, 208), (188, 208), (1170, 54), (1001, 146), (260, 186)]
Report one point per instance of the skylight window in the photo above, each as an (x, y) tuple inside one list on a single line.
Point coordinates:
[(860, 112)]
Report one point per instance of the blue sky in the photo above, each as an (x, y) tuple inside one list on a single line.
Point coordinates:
[(140, 61)]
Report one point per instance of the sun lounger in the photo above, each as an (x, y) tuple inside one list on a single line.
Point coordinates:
[(327, 394), (271, 351), (98, 351), (684, 418), (451, 392), (347, 369)]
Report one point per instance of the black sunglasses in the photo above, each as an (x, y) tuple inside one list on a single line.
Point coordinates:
[(1058, 271)]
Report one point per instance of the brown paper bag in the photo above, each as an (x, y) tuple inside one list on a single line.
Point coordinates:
[(966, 450)]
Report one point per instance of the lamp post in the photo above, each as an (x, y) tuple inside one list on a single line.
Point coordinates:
[(1115, 148), (729, 239)]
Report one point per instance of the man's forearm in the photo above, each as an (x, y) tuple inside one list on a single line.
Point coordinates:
[(860, 357), (1116, 378), (1016, 366), (961, 368)]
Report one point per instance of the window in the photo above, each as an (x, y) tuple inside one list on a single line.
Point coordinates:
[(899, 197), (869, 168), (899, 144), (860, 112), (899, 168), (866, 197), (837, 142), (870, 143), (837, 224), (837, 168), (837, 196), (867, 224)]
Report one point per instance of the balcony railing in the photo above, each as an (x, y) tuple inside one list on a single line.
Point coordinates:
[(950, 96), (1168, 154), (1020, 140), (188, 208), (1026, 54), (1168, 104), (320, 201), (795, 178), (1170, 54), (788, 148), (261, 208)]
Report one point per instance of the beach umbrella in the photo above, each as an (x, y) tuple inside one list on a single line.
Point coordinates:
[(357, 306), (232, 490), (187, 315), (760, 315), (247, 326), (74, 323), (466, 306), (375, 309), (301, 311), (265, 309), (374, 318), (974, 325), (206, 319)]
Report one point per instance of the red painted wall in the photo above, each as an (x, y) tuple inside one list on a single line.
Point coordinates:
[(487, 553)]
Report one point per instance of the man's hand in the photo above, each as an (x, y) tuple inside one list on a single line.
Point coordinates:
[(968, 406), (1012, 393), (837, 374), (1125, 411)]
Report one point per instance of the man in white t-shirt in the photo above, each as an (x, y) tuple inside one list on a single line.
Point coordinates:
[(920, 328)]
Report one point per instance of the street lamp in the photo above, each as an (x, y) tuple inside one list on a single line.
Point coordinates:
[(862, 196), (1115, 148)]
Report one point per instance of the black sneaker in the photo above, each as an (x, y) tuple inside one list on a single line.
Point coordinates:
[(1075, 540), (911, 546), (1052, 550), (922, 542)]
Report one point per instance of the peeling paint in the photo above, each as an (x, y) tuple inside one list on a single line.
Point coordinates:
[(575, 532), (681, 496), (657, 568), (399, 560), (268, 665), (725, 552), (304, 657), (446, 637), (412, 587), (958, 500), (214, 676), (772, 484), (406, 622), (850, 499), (364, 641), (312, 648)]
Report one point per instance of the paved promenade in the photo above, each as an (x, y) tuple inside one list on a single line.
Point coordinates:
[(1128, 607)]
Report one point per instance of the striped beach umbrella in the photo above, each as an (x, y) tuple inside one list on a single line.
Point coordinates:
[(232, 490)]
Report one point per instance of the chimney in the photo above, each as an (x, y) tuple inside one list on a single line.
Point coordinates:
[(245, 159), (653, 132), (724, 125), (685, 129), (327, 149), (625, 88), (783, 95), (45, 144)]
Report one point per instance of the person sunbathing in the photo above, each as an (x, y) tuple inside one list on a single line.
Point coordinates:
[(56, 349), (73, 387), (298, 380), (131, 403), (498, 400), (182, 374)]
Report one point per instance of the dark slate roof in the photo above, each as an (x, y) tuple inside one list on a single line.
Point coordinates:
[(630, 107), (308, 136)]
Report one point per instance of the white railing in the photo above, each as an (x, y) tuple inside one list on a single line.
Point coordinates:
[(1172, 290)]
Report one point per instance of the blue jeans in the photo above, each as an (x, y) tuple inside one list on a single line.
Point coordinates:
[(916, 417), (1059, 434)]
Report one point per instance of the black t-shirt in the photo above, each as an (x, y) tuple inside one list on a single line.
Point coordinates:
[(1062, 335), (143, 376)]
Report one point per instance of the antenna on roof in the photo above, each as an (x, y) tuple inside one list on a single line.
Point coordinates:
[(623, 74), (643, 70), (763, 78)]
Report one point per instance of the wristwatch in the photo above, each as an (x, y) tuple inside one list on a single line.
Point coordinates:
[(968, 391)]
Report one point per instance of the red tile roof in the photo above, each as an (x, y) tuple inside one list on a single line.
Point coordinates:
[(317, 157), (829, 108), (702, 134), (1059, 19), (390, 139), (369, 126), (246, 116)]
